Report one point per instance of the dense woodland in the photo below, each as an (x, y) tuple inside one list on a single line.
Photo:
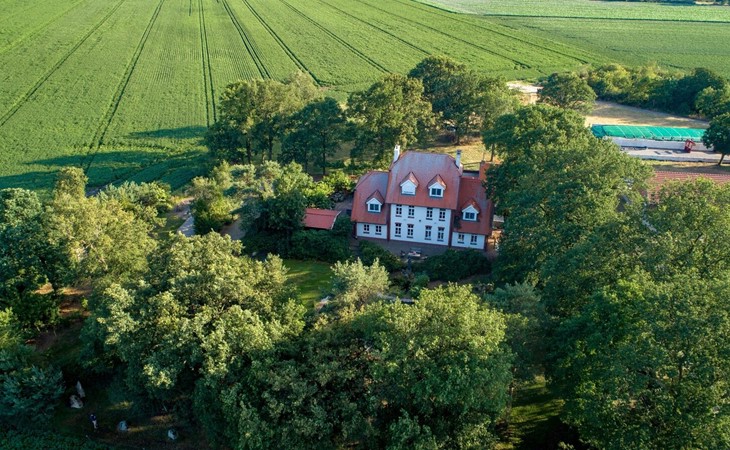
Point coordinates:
[(616, 298)]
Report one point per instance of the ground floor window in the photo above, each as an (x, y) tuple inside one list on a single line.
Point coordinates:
[(378, 229), (409, 231), (428, 232), (460, 239), (440, 235), (474, 239), (397, 229), (366, 229)]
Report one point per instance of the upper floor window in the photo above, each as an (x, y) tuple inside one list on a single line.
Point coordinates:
[(442, 214), (374, 207), (469, 215), (437, 191), (429, 213), (411, 211), (398, 210)]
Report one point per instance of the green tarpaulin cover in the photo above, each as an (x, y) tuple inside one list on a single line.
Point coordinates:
[(653, 133)]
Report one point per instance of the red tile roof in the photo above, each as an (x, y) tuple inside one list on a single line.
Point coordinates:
[(471, 191), (371, 184), (412, 178), (661, 177), (436, 179), (427, 166), (322, 219)]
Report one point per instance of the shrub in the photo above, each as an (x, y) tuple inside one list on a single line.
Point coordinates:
[(320, 245), (370, 251), (455, 265)]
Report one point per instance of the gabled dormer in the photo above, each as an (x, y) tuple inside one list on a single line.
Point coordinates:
[(409, 184), (470, 212), (375, 203), (436, 187)]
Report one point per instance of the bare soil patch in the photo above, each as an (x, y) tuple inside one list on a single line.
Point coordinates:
[(608, 113)]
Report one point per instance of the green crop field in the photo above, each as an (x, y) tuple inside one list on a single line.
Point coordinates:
[(674, 36), (126, 88)]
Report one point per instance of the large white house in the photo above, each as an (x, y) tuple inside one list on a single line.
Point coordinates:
[(424, 198)]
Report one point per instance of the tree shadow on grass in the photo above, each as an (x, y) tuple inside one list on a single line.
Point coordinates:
[(112, 166), (171, 133)]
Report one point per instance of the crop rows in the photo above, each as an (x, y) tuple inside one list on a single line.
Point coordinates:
[(583, 9), (127, 87)]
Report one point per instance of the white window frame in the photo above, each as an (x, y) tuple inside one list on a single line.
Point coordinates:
[(378, 230), (429, 213), (440, 234), (428, 232), (397, 230), (374, 207), (409, 231), (469, 216), (398, 210), (460, 237), (474, 239), (442, 214), (411, 212), (366, 228), (436, 191)]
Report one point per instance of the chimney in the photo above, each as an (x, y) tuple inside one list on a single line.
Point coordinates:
[(396, 152), (458, 159)]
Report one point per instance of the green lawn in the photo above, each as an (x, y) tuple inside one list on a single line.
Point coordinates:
[(535, 422), (311, 277)]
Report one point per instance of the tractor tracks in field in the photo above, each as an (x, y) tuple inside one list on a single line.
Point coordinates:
[(38, 30), (416, 23), (382, 30), (111, 111), (298, 62), (336, 38), (28, 94), (247, 42), (207, 69), (456, 17)]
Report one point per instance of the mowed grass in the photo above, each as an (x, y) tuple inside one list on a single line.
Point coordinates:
[(313, 280), (127, 88)]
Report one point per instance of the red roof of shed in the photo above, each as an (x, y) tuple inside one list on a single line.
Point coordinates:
[(321, 219)]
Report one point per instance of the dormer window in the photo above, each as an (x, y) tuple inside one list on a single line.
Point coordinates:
[(409, 185), (374, 204), (436, 187), (469, 213)]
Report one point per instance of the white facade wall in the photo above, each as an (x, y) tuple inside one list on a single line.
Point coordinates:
[(419, 223), (467, 242), (361, 228)]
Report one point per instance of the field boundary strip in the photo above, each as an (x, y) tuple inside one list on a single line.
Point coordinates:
[(451, 36), (25, 97), (338, 39), (253, 51), (39, 29), (459, 18), (207, 70), (108, 116), (281, 43), (382, 30), (602, 19)]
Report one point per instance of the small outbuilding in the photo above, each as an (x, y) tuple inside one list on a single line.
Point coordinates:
[(320, 219)]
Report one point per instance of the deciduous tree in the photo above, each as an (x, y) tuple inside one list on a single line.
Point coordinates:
[(717, 135), (568, 90)]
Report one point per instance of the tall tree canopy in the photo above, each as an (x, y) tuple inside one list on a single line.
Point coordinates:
[(466, 100), (568, 90), (253, 114), (392, 111), (717, 135)]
